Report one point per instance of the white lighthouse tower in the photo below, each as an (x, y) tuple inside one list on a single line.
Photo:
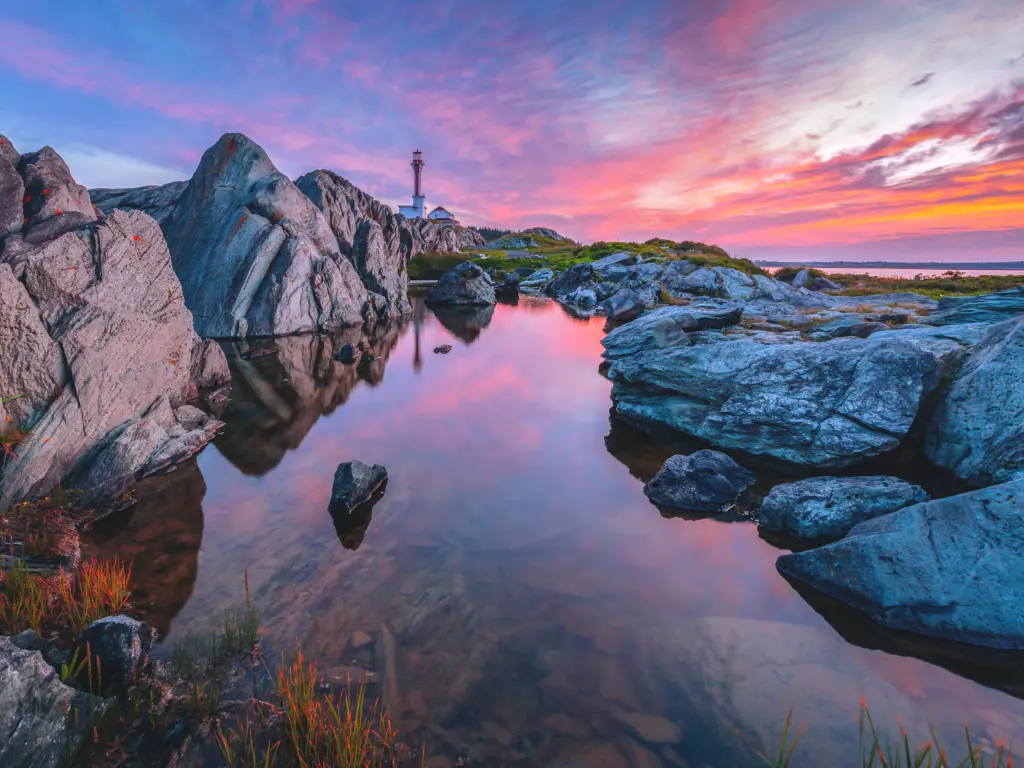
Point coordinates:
[(419, 201)]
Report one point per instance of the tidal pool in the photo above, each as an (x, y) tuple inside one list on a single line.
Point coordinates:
[(515, 596)]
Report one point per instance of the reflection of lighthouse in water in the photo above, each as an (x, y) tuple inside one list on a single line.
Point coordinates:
[(419, 313)]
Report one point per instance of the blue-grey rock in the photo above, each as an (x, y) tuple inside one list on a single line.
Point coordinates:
[(624, 305), (804, 402), (828, 507), (117, 648), (537, 279), (988, 308), (466, 284), (381, 269), (354, 484), (255, 256), (665, 328), (705, 481), (12, 190), (947, 568), (977, 430), (41, 719)]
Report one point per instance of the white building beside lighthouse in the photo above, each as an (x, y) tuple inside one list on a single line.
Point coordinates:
[(418, 209)]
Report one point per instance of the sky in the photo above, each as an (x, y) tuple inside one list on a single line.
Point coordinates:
[(781, 129)]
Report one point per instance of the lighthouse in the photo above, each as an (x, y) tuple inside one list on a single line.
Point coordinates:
[(419, 201)]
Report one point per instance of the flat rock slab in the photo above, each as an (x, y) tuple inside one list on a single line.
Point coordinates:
[(947, 568), (828, 507)]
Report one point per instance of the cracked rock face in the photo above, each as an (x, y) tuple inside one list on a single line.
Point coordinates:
[(918, 568), (256, 257), (97, 334), (35, 732), (804, 402)]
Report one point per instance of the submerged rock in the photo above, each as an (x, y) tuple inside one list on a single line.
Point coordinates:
[(977, 430), (948, 568), (41, 719), (828, 507), (804, 402), (466, 284), (354, 484), (704, 481), (118, 647)]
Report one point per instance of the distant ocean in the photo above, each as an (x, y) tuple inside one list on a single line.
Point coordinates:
[(900, 270)]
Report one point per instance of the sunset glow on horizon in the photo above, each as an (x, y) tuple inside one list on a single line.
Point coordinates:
[(793, 129)]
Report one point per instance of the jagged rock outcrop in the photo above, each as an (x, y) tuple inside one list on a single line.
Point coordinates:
[(818, 404), (256, 257), (977, 429), (948, 568), (118, 341), (466, 284), (828, 507), (382, 272), (54, 202), (424, 236), (12, 189), (157, 201), (41, 719)]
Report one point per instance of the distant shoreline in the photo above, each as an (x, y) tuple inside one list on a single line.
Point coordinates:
[(1007, 265)]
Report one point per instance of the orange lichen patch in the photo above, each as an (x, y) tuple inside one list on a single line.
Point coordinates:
[(58, 212), (26, 200), (137, 239), (173, 361), (46, 192)]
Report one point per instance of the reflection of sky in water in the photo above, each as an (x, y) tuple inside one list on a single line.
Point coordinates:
[(524, 575)]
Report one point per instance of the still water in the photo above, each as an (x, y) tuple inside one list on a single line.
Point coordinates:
[(906, 273), (514, 594)]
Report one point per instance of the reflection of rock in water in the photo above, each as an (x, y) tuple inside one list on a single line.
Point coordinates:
[(276, 399), (160, 535), (643, 451), (351, 526), (992, 667), (466, 323)]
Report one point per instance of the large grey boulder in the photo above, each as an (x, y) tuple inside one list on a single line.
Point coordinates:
[(54, 202), (704, 481), (12, 190), (157, 201), (828, 507), (987, 308), (110, 302), (666, 327), (255, 256), (42, 720), (346, 207), (623, 306), (804, 402), (948, 568), (977, 429), (354, 484), (381, 269), (465, 284)]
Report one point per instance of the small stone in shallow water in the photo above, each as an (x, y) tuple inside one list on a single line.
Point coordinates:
[(354, 484), (444, 349), (704, 481)]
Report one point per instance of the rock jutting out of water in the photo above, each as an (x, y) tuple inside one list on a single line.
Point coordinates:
[(705, 481), (947, 568), (354, 484), (467, 284), (828, 507)]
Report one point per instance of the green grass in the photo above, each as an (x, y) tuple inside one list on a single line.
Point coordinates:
[(786, 274), (933, 287), (875, 750)]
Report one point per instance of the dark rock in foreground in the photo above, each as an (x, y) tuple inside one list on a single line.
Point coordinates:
[(466, 284), (354, 484), (41, 719), (704, 481), (948, 568), (977, 431), (828, 507), (118, 647)]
